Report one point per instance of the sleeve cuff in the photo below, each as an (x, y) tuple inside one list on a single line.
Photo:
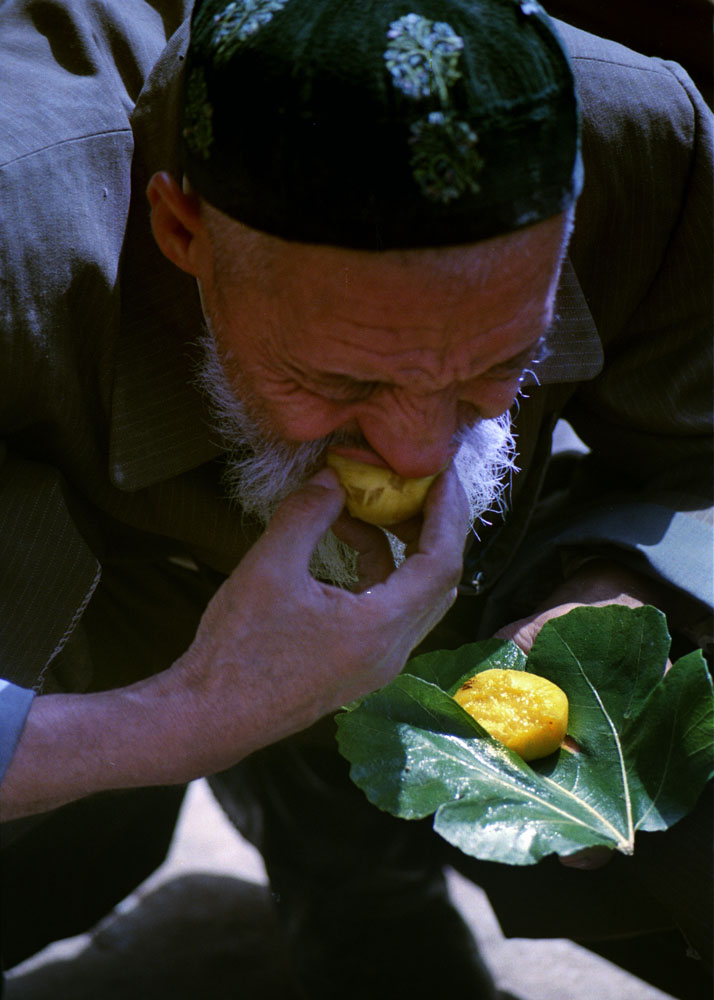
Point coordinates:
[(15, 703), (676, 548)]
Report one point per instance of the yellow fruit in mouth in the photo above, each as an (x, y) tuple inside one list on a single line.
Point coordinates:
[(378, 495), (525, 711)]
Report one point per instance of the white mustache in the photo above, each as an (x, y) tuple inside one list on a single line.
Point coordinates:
[(262, 470)]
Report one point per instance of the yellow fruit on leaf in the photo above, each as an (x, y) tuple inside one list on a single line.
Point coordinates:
[(525, 711), (376, 494)]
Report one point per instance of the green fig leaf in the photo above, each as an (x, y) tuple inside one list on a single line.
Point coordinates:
[(645, 741)]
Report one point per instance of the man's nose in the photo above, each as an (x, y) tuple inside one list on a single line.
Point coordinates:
[(414, 436)]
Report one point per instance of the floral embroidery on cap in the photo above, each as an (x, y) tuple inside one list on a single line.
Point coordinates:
[(225, 31), (422, 57), (219, 35), (198, 112), (445, 162)]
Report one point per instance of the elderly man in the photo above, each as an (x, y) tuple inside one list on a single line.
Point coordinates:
[(362, 221)]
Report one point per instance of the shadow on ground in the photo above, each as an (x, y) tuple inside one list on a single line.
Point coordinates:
[(197, 935)]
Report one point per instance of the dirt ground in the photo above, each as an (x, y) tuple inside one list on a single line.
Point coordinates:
[(201, 927)]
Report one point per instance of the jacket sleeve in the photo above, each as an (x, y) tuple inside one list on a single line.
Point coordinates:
[(48, 572), (65, 155), (642, 250)]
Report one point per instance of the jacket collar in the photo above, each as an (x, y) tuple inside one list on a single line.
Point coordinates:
[(573, 348), (160, 426)]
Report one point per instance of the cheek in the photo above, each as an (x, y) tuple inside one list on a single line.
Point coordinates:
[(283, 409)]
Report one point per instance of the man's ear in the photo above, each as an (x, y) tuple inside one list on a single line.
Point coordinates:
[(176, 221)]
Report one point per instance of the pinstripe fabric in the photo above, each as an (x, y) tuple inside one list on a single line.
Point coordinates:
[(647, 270), (107, 443)]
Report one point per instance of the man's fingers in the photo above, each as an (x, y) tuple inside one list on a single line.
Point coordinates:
[(523, 633), (425, 583), (440, 547), (303, 518), (446, 515), (374, 554)]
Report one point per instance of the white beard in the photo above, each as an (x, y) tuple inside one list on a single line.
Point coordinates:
[(262, 470)]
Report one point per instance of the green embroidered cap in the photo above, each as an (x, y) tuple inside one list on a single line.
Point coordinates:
[(380, 124)]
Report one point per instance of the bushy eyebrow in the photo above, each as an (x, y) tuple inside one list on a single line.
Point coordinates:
[(530, 354)]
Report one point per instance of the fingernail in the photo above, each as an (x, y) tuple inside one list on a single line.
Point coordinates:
[(326, 478)]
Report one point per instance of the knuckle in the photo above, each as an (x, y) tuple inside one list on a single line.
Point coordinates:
[(295, 504), (306, 502), (451, 572)]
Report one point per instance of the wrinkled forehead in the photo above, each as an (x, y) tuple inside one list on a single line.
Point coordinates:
[(501, 260), (439, 313)]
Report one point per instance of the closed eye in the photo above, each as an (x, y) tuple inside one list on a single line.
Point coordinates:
[(333, 386), (514, 367), (343, 389), (346, 389)]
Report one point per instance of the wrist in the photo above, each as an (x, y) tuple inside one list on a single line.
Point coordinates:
[(597, 580), (76, 745)]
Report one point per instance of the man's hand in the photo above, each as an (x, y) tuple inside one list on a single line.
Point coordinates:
[(275, 651), (596, 584)]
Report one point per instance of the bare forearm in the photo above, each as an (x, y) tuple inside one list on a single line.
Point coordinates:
[(275, 651), (76, 745)]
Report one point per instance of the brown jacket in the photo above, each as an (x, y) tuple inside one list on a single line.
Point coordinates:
[(106, 456)]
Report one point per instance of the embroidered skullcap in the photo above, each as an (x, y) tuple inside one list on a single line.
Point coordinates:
[(380, 124)]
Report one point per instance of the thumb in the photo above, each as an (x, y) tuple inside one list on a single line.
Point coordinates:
[(303, 518)]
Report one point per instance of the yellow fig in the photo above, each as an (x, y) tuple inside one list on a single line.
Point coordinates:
[(376, 494), (525, 711)]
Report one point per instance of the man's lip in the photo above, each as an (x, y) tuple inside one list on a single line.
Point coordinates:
[(365, 455), (370, 457)]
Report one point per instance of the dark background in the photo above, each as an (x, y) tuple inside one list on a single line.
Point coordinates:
[(681, 30)]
